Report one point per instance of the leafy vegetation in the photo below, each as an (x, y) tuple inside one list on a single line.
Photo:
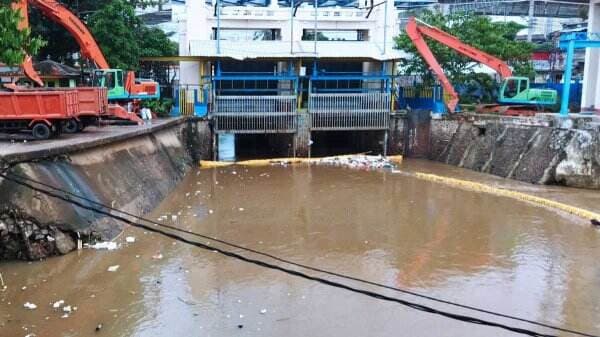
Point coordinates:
[(161, 107), (122, 36), (14, 43)]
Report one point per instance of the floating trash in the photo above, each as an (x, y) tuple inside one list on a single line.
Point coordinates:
[(30, 306), (130, 239), (109, 245), (358, 162), (113, 268)]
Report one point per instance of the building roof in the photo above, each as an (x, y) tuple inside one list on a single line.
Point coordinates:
[(242, 50), (49, 68)]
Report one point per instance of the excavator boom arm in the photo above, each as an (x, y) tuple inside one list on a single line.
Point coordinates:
[(412, 30), (416, 33), (58, 13)]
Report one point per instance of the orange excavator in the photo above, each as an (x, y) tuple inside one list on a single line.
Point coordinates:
[(120, 90), (515, 96)]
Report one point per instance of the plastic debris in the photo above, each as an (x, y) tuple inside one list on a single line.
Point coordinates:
[(57, 304), (30, 306), (113, 268), (3, 286), (241, 209), (130, 239), (210, 211), (109, 245), (364, 162), (67, 309), (263, 311), (157, 256)]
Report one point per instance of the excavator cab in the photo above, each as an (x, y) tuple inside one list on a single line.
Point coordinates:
[(123, 86), (112, 80), (516, 90)]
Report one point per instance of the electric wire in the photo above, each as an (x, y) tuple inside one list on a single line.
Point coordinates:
[(413, 305), (308, 267)]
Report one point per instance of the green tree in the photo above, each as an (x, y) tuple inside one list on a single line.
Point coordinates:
[(104, 21), (115, 27), (495, 38), (124, 38), (14, 43), (154, 42)]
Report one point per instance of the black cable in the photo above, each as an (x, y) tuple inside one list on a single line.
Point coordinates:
[(352, 278), (416, 306)]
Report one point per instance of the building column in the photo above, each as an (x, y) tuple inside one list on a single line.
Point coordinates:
[(590, 97)]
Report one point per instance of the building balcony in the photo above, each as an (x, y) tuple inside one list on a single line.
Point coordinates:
[(242, 50)]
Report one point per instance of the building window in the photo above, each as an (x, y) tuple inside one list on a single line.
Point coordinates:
[(336, 35), (231, 34)]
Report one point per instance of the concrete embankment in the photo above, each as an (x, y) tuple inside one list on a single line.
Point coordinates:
[(131, 171), (542, 150)]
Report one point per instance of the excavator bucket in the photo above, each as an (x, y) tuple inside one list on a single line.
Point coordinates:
[(30, 71), (116, 111)]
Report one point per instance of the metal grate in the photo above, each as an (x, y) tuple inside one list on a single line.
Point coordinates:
[(255, 114), (357, 111)]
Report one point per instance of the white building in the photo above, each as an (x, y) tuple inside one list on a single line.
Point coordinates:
[(285, 35)]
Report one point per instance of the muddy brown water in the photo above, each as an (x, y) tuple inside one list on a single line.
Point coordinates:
[(492, 252)]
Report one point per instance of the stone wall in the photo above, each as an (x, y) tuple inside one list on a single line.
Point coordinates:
[(533, 153), (133, 175)]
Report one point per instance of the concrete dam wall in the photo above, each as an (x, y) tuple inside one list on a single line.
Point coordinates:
[(133, 175), (530, 153)]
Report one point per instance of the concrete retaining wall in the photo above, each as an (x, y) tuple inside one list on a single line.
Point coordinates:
[(531, 153), (132, 174)]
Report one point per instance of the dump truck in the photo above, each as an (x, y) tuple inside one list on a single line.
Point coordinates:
[(93, 104), (42, 112)]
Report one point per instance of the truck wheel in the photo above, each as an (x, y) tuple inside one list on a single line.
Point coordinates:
[(70, 126), (40, 131)]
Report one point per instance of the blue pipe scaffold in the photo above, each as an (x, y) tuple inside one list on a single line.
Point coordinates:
[(571, 42)]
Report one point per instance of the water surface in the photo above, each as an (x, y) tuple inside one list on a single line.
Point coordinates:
[(495, 253)]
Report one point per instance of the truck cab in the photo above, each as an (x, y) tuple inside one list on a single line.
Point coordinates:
[(516, 90)]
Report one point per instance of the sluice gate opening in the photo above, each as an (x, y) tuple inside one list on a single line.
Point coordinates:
[(244, 146), (332, 143)]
